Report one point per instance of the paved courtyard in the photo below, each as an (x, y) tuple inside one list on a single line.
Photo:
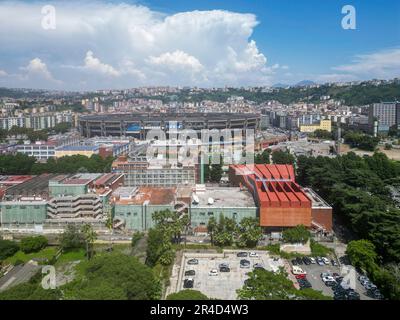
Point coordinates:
[(224, 285)]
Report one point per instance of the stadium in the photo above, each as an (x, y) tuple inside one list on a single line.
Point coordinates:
[(137, 125)]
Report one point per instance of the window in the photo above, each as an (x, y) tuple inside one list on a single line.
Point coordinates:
[(211, 213)]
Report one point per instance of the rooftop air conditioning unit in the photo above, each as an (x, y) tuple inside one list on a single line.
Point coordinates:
[(210, 201)]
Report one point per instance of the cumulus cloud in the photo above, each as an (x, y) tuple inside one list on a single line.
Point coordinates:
[(94, 64), (2, 73), (132, 45), (37, 67)]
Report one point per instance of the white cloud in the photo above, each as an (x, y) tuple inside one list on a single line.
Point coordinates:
[(383, 64), (37, 67), (132, 45), (94, 64), (3, 73), (176, 60)]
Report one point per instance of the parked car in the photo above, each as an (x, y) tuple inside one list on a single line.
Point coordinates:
[(326, 274), (244, 263), (334, 263), (253, 255), (326, 279), (223, 264), (325, 260), (224, 269), (304, 283), (258, 266), (213, 272), (299, 261), (297, 270), (193, 261), (306, 261), (190, 273), (312, 260), (300, 276), (294, 262), (188, 283), (242, 254), (320, 261)]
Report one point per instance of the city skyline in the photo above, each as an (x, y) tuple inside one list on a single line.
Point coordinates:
[(110, 45)]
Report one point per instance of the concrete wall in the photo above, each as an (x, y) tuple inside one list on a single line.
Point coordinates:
[(138, 217), (201, 216), (23, 212)]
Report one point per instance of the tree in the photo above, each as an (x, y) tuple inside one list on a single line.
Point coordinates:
[(155, 247), (298, 234), (263, 158), (282, 157), (250, 232), (187, 295), (90, 237), (216, 173), (225, 231), (267, 285), (71, 238), (322, 134), (211, 227), (362, 255), (7, 249), (33, 244), (114, 276)]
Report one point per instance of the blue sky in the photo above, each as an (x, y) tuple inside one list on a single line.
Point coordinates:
[(159, 42)]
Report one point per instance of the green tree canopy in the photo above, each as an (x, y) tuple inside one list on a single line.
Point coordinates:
[(187, 295)]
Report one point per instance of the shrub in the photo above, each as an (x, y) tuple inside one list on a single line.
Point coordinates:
[(33, 244), (7, 249)]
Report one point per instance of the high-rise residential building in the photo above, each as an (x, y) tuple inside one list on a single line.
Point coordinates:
[(386, 113)]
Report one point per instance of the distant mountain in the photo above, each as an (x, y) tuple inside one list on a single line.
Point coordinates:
[(304, 83), (280, 85)]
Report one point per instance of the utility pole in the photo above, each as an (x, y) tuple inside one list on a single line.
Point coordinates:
[(339, 138)]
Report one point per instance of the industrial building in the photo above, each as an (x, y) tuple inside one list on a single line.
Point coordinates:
[(322, 125), (137, 125), (134, 206), (231, 202), (52, 201), (281, 201), (139, 171)]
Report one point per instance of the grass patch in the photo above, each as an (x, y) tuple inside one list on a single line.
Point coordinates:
[(71, 255), (318, 249), (46, 253)]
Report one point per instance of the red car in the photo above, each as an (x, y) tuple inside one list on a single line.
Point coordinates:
[(300, 276)]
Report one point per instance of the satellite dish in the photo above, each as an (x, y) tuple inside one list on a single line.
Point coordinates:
[(196, 199), (210, 201)]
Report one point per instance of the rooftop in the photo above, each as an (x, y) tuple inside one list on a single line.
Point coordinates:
[(77, 179), (316, 200), (223, 197), (144, 195)]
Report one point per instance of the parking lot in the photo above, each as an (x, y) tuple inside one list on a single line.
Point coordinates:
[(314, 277), (225, 284)]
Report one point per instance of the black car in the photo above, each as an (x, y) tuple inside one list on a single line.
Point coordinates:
[(333, 262), (304, 283), (242, 254), (307, 261), (188, 283), (190, 273), (353, 295), (244, 262), (294, 262), (299, 261), (224, 269)]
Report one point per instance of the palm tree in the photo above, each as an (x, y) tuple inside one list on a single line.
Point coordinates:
[(90, 237)]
